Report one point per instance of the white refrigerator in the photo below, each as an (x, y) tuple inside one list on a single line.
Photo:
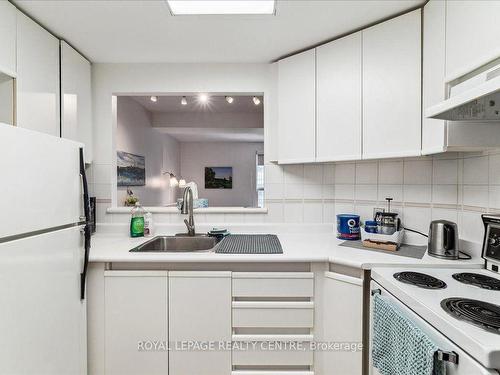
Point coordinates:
[(44, 245)]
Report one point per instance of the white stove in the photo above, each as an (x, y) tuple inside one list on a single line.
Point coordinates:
[(483, 344), (457, 308)]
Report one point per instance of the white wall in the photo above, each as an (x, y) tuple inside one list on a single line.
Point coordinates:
[(208, 119), (458, 187), (115, 79), (135, 135), (195, 156)]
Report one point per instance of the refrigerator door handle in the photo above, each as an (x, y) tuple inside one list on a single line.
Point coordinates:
[(86, 199), (86, 207), (83, 274)]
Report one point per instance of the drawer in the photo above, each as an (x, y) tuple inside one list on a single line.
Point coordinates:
[(272, 314), (274, 350), (273, 284)]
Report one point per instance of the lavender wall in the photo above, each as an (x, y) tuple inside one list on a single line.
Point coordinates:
[(195, 156), (135, 135)]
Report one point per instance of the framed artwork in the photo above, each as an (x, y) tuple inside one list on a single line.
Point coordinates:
[(131, 169), (218, 177)]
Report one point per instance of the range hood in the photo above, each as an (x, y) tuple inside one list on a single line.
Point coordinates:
[(474, 99)]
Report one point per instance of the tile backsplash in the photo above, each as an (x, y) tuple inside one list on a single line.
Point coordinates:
[(456, 187), (453, 186)]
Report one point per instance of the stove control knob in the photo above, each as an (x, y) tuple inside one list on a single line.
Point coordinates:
[(494, 240)]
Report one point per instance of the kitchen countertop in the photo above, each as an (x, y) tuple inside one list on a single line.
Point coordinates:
[(314, 246)]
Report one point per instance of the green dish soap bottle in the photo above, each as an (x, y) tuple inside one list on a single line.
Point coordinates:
[(137, 221)]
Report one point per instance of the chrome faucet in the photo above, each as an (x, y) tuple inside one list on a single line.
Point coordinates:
[(187, 209)]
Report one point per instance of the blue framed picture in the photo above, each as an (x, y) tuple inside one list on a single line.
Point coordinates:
[(131, 169)]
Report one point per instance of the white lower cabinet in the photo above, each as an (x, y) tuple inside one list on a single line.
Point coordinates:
[(276, 352), (270, 314), (147, 310), (343, 322), (272, 321), (265, 319), (199, 312), (135, 319)]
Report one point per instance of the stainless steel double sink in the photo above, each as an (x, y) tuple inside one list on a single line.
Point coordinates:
[(179, 243)]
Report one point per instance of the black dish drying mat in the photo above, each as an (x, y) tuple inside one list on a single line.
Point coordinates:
[(250, 244)]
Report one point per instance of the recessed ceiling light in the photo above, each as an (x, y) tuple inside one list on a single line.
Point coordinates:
[(184, 101), (214, 7), (256, 100), (203, 98), (229, 99), (154, 99)]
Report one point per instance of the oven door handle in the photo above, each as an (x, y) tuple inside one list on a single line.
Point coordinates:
[(443, 355), (439, 355)]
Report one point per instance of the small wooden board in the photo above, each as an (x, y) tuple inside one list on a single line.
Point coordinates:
[(388, 246)]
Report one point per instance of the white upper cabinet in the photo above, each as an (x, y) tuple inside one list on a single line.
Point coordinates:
[(392, 88), (472, 30), (297, 108), (439, 135), (434, 60), (339, 87), (76, 98), (7, 38), (37, 77), (358, 97)]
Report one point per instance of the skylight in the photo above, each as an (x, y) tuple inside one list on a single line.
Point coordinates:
[(219, 7)]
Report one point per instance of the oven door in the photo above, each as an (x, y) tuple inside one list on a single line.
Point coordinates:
[(466, 364)]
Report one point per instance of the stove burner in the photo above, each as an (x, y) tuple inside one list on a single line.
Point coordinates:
[(420, 279), (476, 279), (481, 314)]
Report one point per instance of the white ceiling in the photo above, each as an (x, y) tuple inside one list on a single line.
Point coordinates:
[(130, 31), (215, 134)]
